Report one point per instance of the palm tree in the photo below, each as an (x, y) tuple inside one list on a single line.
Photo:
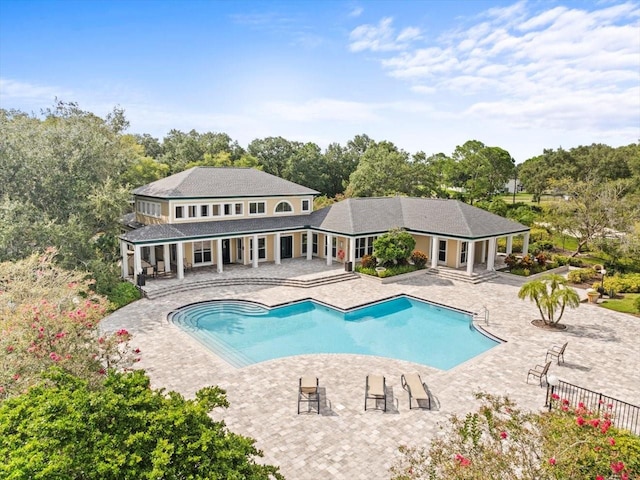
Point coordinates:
[(550, 294)]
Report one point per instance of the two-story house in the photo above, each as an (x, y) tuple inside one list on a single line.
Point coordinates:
[(210, 216)]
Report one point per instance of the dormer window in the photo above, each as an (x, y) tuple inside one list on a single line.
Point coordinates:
[(306, 205), (179, 212), (284, 207)]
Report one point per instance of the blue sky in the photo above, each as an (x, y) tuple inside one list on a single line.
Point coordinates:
[(426, 75)]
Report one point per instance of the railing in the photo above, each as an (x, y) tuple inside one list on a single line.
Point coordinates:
[(484, 313), (623, 415)]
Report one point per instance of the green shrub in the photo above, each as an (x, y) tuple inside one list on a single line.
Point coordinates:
[(626, 283), (367, 261), (394, 247), (419, 258), (582, 275), (537, 234), (516, 245), (636, 303), (527, 261), (123, 294), (576, 262), (561, 260), (397, 270), (541, 246), (366, 270)]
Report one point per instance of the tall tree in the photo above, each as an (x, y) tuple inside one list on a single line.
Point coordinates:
[(383, 170), (340, 163), (273, 153), (307, 166)]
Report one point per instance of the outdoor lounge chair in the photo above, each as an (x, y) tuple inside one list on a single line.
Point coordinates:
[(376, 388), (556, 351), (416, 388), (540, 372), (308, 392)]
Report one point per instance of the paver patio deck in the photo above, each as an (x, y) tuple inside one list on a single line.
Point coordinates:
[(345, 442)]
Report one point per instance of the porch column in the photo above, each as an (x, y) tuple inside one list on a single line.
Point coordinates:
[(491, 258), (219, 255), (125, 259), (471, 253), (352, 251), (329, 245), (180, 260), (434, 252), (509, 244), (167, 258), (483, 254), (137, 261), (525, 244), (254, 264), (276, 248), (309, 244), (152, 254)]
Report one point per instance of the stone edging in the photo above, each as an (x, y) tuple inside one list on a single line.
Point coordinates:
[(558, 270)]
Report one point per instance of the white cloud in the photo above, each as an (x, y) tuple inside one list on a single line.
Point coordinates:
[(381, 37), (356, 12), (569, 68), (11, 91)]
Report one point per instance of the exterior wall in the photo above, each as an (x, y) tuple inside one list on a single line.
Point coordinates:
[(147, 219), (423, 243), (452, 253), (270, 204), (478, 252)]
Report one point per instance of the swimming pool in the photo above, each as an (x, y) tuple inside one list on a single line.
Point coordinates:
[(403, 327)]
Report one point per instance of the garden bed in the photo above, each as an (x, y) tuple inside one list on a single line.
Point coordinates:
[(392, 278)]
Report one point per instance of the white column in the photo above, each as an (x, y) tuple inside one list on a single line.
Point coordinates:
[(152, 255), (483, 254), (352, 251), (219, 255), (491, 256), (276, 248), (471, 253), (329, 244), (166, 254), (254, 264), (525, 244), (309, 244), (125, 259), (137, 261), (509, 244), (180, 260), (434, 252)]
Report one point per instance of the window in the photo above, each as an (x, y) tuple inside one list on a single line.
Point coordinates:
[(215, 210), (370, 241), (180, 212), (442, 251), (284, 207), (306, 205), (204, 210), (227, 209), (463, 252), (193, 211), (201, 252), (304, 243), (334, 247), (149, 208), (239, 248), (257, 208), (364, 246), (262, 249), (238, 209), (315, 244)]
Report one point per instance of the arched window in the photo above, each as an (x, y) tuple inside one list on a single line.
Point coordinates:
[(284, 207)]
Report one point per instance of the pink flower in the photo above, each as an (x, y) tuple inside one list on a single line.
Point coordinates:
[(624, 476), (580, 405), (60, 335), (464, 462), (54, 356), (10, 349), (101, 340), (605, 426), (565, 401), (555, 396), (503, 435), (580, 421), (552, 461), (595, 422), (599, 477), (612, 441), (16, 377), (102, 371), (617, 467), (122, 332)]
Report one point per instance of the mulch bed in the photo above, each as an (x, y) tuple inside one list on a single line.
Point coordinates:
[(552, 328)]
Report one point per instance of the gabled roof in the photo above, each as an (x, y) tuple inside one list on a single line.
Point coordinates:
[(359, 216), (352, 217), (221, 182)]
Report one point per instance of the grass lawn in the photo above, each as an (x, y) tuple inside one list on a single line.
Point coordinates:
[(624, 305)]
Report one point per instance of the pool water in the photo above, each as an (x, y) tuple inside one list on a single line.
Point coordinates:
[(403, 328)]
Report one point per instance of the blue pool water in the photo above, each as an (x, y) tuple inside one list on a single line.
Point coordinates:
[(404, 328)]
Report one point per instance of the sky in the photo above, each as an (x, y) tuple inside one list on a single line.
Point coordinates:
[(425, 75)]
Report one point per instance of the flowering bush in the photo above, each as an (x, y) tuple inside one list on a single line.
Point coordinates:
[(419, 258), (367, 261), (500, 441), (50, 317)]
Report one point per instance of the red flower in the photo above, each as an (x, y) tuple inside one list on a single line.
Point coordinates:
[(552, 461), (612, 441), (565, 401), (16, 376), (605, 426), (599, 477), (10, 349), (555, 396), (102, 371), (503, 435), (464, 462), (137, 350), (595, 422), (580, 405), (54, 356), (580, 421), (617, 467), (122, 332)]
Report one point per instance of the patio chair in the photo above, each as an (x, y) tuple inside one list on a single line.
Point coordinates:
[(540, 372), (308, 392), (556, 351), (416, 388), (160, 268), (375, 388)]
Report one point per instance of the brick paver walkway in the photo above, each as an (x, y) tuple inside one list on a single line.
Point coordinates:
[(345, 442)]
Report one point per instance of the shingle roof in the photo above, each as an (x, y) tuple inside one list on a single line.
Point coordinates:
[(354, 216), (221, 182)]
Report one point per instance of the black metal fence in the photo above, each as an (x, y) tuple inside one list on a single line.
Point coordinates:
[(623, 415)]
